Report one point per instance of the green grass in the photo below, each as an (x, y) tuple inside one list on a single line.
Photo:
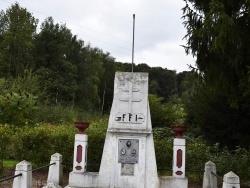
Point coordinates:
[(9, 164)]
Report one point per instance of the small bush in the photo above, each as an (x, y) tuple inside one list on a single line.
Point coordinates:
[(37, 144), (55, 114), (6, 133), (16, 108), (96, 135)]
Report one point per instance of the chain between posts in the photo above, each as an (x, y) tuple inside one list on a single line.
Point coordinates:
[(11, 177), (42, 167), (217, 176)]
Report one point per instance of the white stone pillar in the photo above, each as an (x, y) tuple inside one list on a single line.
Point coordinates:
[(80, 153), (209, 180), (231, 180), (179, 157), (55, 171), (24, 181)]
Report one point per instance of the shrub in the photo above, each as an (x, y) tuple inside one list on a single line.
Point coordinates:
[(37, 144), (6, 133), (166, 114), (96, 135), (163, 150), (63, 142), (16, 108), (55, 114)]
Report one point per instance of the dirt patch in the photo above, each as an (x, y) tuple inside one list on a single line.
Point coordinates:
[(39, 179)]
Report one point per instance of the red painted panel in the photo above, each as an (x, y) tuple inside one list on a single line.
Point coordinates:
[(79, 154), (179, 173), (78, 168), (179, 158)]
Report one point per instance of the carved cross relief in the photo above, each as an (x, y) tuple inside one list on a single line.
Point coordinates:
[(130, 98), (129, 117)]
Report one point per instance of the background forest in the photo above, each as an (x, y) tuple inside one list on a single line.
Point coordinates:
[(49, 75), (49, 66)]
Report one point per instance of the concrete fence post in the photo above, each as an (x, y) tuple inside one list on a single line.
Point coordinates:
[(231, 180), (55, 174), (209, 179), (24, 181)]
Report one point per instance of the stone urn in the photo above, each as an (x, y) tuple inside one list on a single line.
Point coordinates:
[(81, 126), (179, 130)]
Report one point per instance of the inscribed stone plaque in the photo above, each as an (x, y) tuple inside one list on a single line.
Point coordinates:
[(128, 151), (127, 169), (130, 118)]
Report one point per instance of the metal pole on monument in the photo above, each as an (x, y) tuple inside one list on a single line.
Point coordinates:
[(133, 43)]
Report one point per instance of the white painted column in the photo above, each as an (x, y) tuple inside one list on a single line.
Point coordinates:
[(55, 171), (231, 180), (80, 153), (179, 157), (24, 181), (209, 180)]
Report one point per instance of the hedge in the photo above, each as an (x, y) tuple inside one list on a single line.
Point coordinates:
[(36, 145)]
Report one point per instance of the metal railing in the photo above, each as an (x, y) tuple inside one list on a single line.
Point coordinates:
[(217, 176), (10, 177), (42, 167), (20, 174)]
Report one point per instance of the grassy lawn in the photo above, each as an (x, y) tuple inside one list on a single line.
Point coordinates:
[(10, 164)]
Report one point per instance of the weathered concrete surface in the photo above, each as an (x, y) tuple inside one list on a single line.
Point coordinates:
[(129, 121)]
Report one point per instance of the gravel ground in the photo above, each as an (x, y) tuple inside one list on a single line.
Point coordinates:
[(39, 179)]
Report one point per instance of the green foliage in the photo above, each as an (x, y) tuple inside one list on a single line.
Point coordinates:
[(60, 114), (166, 114), (55, 114), (236, 161), (6, 133), (217, 34), (157, 111), (163, 140), (17, 108), (37, 144), (210, 115), (17, 28), (166, 82), (96, 138)]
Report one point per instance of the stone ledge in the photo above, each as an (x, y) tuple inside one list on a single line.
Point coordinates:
[(131, 131), (173, 182)]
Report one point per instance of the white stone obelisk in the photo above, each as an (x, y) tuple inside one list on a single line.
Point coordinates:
[(128, 158)]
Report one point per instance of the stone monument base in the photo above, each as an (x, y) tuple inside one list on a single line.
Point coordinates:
[(173, 182), (82, 179)]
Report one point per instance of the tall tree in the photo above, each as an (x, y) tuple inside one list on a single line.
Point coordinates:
[(107, 82), (166, 80), (17, 30), (218, 35), (54, 65), (90, 72)]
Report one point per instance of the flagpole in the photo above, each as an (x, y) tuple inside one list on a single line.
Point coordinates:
[(133, 42)]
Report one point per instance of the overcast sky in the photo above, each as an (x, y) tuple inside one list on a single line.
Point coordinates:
[(108, 25)]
